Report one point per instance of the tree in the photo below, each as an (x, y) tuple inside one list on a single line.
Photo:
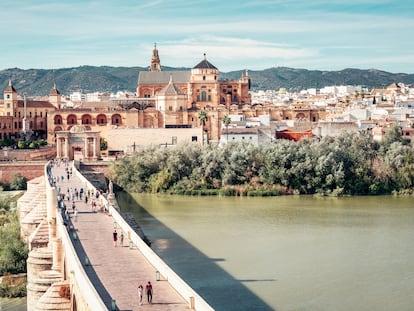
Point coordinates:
[(226, 121), (104, 144), (202, 116)]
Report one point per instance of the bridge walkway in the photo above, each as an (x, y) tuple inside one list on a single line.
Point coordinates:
[(117, 271)]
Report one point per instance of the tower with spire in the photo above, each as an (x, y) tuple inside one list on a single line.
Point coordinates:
[(155, 60), (55, 98), (10, 99)]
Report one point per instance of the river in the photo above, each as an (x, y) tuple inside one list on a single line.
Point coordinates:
[(286, 253)]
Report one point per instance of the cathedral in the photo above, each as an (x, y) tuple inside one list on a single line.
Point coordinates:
[(169, 107)]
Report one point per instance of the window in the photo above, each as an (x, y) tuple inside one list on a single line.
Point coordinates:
[(41, 124), (235, 98), (30, 114), (8, 96), (41, 113), (19, 114), (8, 105), (209, 98), (204, 78), (198, 98), (169, 108), (203, 96), (15, 125), (193, 138)]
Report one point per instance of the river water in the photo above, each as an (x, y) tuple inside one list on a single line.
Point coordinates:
[(286, 253)]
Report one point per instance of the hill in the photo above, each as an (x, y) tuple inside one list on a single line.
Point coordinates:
[(104, 78)]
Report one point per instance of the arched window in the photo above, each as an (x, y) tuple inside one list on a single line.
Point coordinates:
[(203, 96), (86, 119), (116, 119), (101, 119), (71, 119), (58, 119)]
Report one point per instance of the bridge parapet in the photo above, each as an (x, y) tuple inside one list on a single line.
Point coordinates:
[(58, 264)]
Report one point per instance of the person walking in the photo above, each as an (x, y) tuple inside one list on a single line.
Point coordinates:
[(121, 239), (150, 291), (115, 237), (140, 293)]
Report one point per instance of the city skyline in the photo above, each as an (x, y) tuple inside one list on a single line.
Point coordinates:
[(255, 35)]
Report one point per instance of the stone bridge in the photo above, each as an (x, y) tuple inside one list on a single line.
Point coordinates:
[(73, 262)]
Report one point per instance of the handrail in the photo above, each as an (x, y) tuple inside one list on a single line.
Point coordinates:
[(89, 293), (192, 297)]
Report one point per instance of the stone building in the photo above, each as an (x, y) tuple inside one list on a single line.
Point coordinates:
[(13, 109), (78, 144)]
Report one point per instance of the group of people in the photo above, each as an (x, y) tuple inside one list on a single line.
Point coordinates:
[(148, 290)]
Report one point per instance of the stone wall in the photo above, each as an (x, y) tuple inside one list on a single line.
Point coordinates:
[(44, 153), (27, 169), (126, 139)]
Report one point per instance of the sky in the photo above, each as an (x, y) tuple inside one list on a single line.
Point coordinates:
[(235, 35)]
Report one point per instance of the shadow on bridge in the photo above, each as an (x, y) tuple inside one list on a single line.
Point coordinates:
[(215, 285), (86, 263)]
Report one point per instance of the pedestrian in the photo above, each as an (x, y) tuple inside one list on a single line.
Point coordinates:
[(149, 290), (75, 214), (121, 239), (73, 206), (140, 293), (115, 237)]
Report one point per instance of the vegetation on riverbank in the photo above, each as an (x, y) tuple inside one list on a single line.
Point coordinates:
[(13, 252), (351, 164)]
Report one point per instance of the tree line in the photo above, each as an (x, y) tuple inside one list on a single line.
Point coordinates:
[(13, 251), (350, 164)]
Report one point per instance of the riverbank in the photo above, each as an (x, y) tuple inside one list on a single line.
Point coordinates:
[(350, 164)]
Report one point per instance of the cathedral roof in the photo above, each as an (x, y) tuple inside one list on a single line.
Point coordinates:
[(162, 77), (204, 64), (171, 89)]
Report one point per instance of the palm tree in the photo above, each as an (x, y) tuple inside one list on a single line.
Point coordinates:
[(226, 121), (202, 116)]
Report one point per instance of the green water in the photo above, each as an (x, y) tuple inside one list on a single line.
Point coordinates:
[(15, 304), (286, 253)]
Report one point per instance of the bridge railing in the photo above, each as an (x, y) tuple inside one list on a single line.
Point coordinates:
[(194, 300), (73, 265)]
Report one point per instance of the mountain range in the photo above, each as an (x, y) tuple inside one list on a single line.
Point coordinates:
[(39, 82)]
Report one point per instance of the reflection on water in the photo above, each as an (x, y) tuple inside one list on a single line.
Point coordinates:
[(286, 253), (15, 304)]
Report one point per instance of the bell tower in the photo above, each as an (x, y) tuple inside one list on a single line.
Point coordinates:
[(155, 60), (10, 100)]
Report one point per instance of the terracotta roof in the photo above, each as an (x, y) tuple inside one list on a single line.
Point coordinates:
[(10, 88), (35, 104), (54, 90), (162, 77), (171, 89)]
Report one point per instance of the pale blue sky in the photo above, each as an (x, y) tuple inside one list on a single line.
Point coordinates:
[(256, 34)]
